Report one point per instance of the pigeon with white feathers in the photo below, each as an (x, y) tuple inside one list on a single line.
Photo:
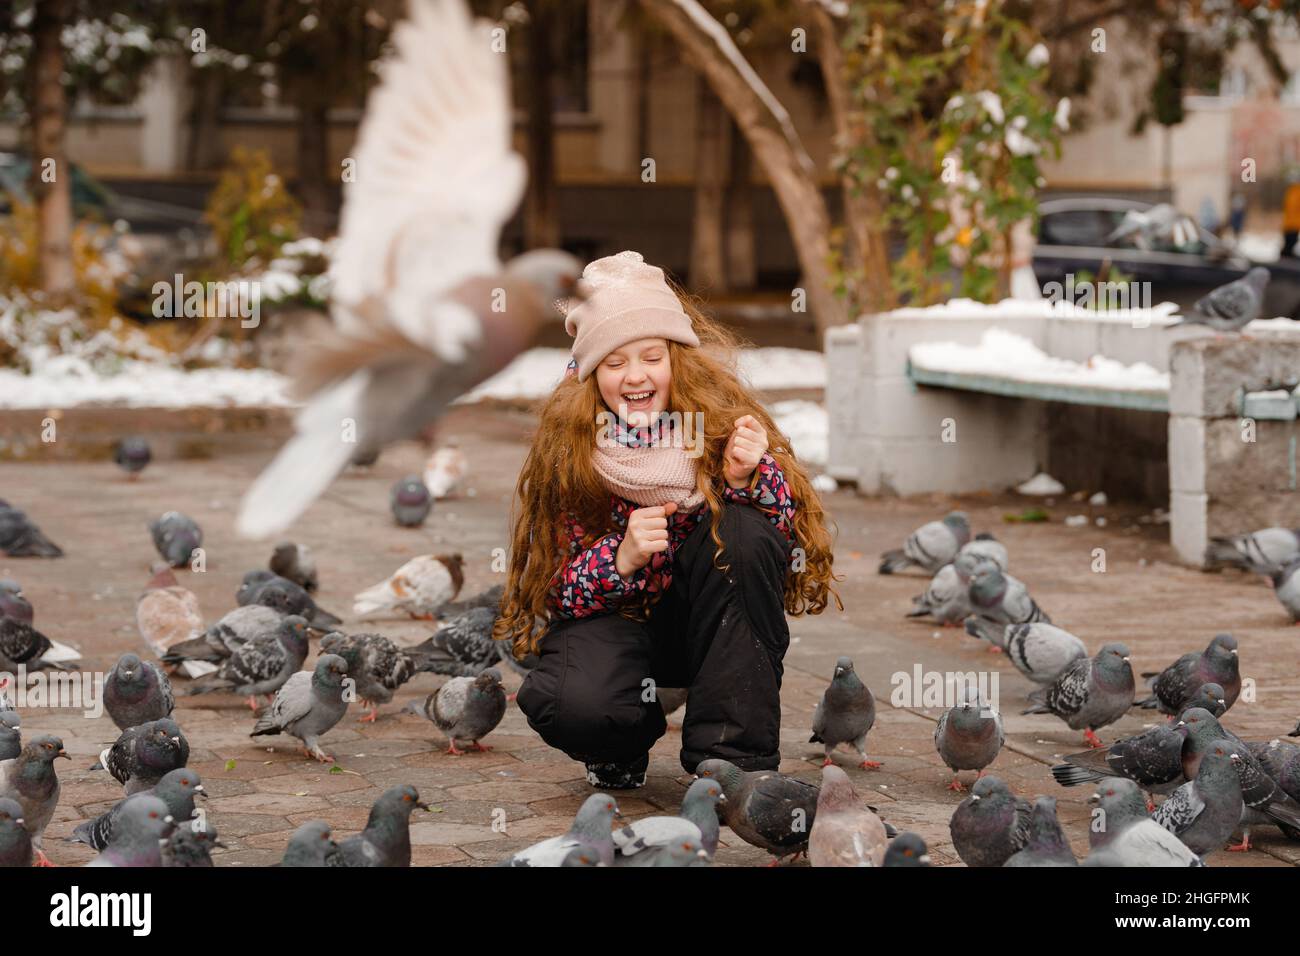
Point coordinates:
[(423, 309), (1041, 651), (930, 546), (417, 589), (444, 471), (167, 614)]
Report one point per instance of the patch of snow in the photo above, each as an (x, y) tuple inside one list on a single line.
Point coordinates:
[(1259, 246), (1162, 314), (1076, 521), (807, 426), (825, 484), (1099, 500), (1038, 56), (1041, 484)]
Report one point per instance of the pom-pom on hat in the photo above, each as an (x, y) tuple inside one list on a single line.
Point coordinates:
[(627, 300)]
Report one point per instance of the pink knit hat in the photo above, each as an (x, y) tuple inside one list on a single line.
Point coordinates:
[(627, 300)]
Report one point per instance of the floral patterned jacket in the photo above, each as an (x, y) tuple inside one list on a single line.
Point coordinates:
[(589, 584)]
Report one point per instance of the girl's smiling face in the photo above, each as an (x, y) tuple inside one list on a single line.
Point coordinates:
[(634, 379)]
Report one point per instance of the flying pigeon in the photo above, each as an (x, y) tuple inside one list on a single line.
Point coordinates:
[(11, 740), (377, 665), (990, 824), (386, 840), (20, 538), (191, 845), (142, 755), (998, 600), (1089, 694), (845, 832), (295, 563), (466, 709), (1123, 834), (1041, 651), (1261, 552), (697, 820), (444, 471), (176, 536), (907, 850), (136, 691), (410, 501), (1161, 223), (308, 706), (1046, 845), (1175, 687), (930, 546), (260, 666), (845, 714), (417, 589), (167, 614), (589, 832), (138, 835), (281, 594), (312, 845), (1230, 307), (1204, 812), (764, 808), (1286, 585), (423, 309), (177, 789), (15, 841), (13, 604), (30, 780), (132, 455), (968, 737)]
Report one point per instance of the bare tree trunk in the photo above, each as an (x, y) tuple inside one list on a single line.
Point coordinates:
[(771, 135), (313, 148), (51, 175), (541, 201), (708, 267), (862, 203), (205, 139), (742, 267)]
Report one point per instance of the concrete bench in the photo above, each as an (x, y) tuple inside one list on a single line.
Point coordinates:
[(1199, 430)]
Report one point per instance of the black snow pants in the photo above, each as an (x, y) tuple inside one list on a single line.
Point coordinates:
[(722, 636)]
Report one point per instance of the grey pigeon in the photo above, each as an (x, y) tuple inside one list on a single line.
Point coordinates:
[(219, 641), (845, 714), (13, 603), (1046, 845), (281, 594), (990, 824), (312, 845), (176, 536), (968, 737), (997, 600), (844, 832), (191, 845), (132, 454), (420, 309), (697, 821), (1262, 552), (988, 548), (1174, 687), (296, 563), (590, 832), (20, 538), (947, 597), (1281, 760), (1286, 585), (1205, 812), (142, 755), (136, 691), (138, 835), (1266, 802), (386, 840), (177, 788), (930, 546), (578, 856), (308, 706), (907, 850), (1230, 307), (1041, 651), (260, 666), (684, 851), (1090, 693), (466, 709), (251, 583), (764, 808), (22, 644), (1123, 835), (377, 665), (410, 501), (30, 780), (15, 841), (463, 646), (1153, 760), (11, 738), (491, 597)]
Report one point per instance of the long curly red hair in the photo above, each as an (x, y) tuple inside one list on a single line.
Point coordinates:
[(557, 478)]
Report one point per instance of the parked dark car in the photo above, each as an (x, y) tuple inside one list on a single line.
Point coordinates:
[(1077, 236)]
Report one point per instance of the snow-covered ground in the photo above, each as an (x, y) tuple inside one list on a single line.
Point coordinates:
[(1005, 355), (806, 425), (1260, 246)]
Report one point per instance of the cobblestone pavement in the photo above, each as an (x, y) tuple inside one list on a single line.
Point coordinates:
[(260, 793)]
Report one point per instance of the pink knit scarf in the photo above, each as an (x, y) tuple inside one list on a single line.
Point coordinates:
[(650, 475)]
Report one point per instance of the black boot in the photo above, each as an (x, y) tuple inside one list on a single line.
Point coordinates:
[(618, 776)]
